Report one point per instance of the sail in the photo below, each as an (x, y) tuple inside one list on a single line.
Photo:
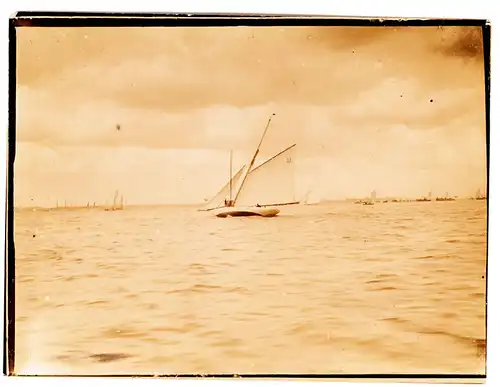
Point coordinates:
[(271, 183), (312, 198), (115, 198), (306, 197), (218, 200)]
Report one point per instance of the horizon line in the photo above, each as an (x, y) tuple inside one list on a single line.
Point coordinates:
[(192, 204)]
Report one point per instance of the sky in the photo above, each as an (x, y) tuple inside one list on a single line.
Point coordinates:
[(399, 110)]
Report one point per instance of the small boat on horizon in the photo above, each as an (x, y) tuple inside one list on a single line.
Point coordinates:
[(310, 199), (479, 195), (446, 198), (427, 198), (117, 203)]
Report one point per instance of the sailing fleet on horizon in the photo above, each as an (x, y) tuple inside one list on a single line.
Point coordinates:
[(117, 205), (429, 198), (260, 190), (310, 198)]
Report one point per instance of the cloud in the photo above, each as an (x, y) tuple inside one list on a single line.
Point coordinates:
[(182, 68), (244, 67), (462, 42), (392, 102)]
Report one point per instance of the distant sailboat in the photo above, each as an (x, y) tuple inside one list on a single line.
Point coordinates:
[(446, 198), (306, 197), (368, 201), (425, 199), (310, 199), (479, 195), (117, 204), (261, 189)]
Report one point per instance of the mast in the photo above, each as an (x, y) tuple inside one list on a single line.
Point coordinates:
[(230, 177), (252, 162), (115, 199)]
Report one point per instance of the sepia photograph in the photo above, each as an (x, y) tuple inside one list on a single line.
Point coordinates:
[(248, 196)]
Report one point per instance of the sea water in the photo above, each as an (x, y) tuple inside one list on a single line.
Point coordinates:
[(328, 288)]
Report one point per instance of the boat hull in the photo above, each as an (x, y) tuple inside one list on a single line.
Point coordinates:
[(247, 211)]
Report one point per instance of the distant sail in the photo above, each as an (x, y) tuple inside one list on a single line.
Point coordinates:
[(311, 198), (271, 183), (115, 199), (306, 196), (218, 200)]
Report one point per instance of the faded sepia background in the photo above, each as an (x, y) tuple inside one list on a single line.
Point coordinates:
[(400, 110), (334, 287)]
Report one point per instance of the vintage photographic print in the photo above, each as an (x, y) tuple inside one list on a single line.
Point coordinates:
[(248, 196)]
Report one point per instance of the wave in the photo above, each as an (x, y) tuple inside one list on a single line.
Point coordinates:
[(108, 357)]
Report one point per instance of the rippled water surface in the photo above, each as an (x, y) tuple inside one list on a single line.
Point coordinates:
[(331, 288)]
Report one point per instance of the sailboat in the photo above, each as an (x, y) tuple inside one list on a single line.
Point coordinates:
[(117, 205), (261, 189), (305, 199), (425, 199), (446, 198), (479, 195), (309, 201)]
